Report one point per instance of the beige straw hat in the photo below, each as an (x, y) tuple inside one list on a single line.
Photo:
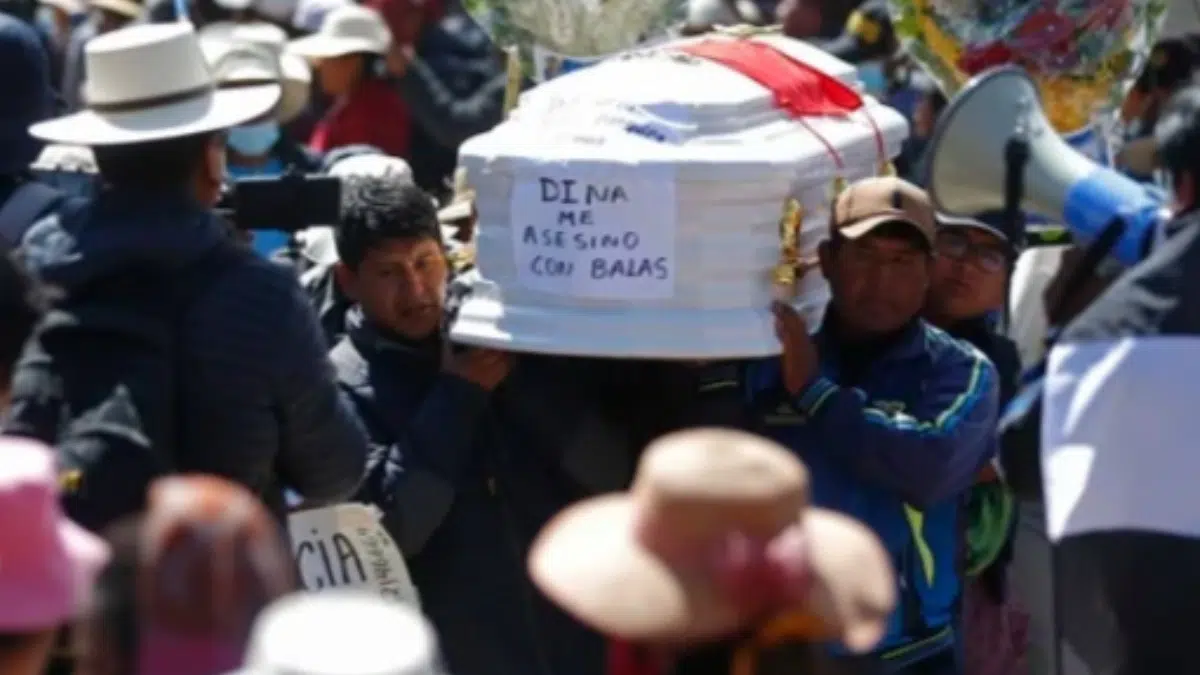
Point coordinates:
[(628, 566)]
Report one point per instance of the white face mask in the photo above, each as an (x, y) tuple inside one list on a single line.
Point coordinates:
[(254, 140)]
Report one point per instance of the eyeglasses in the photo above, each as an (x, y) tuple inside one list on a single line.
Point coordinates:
[(958, 246)]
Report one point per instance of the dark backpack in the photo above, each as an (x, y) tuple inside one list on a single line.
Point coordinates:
[(100, 381)]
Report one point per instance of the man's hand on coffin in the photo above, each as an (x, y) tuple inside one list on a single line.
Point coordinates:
[(799, 353), (485, 368)]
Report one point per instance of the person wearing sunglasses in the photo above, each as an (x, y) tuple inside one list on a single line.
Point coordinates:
[(968, 288)]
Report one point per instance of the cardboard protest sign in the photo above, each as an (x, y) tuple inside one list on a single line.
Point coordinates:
[(345, 546)]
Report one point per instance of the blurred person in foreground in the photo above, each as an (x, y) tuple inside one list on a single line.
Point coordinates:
[(148, 271), (186, 582), (341, 632), (974, 257), (49, 563), (349, 55), (1116, 417), (28, 98), (893, 417), (714, 563), (473, 449)]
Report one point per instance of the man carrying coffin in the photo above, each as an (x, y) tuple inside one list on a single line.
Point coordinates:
[(473, 450), (893, 417)]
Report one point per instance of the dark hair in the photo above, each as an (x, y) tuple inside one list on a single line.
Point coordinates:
[(783, 659), (1178, 133), (21, 305), (113, 619), (1172, 62), (376, 209), (12, 644), (937, 102), (158, 165)]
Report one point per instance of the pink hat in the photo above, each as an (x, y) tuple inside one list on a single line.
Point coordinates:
[(47, 562)]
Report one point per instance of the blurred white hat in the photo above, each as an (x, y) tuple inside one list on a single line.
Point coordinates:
[(218, 39), (309, 14), (340, 632), (710, 13), (349, 29), (372, 165), (703, 13), (275, 10)]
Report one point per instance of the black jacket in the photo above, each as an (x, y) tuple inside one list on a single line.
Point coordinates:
[(454, 90), (466, 479), (259, 403), (1001, 351), (1118, 422)]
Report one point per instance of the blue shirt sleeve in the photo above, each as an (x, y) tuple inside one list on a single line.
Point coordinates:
[(926, 454)]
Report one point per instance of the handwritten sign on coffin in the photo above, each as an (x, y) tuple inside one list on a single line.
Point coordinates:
[(345, 546), (588, 232)]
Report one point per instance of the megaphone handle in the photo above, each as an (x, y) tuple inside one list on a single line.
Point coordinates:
[(1093, 255), (1016, 157)]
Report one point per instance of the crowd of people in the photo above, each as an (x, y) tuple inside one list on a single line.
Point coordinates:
[(173, 384)]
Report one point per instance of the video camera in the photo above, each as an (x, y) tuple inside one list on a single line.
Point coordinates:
[(288, 203)]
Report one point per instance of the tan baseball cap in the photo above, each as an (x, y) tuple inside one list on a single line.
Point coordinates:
[(872, 202)]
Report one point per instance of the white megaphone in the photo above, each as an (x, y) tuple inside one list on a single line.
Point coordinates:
[(967, 168)]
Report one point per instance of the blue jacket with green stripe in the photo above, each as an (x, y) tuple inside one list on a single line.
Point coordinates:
[(896, 447)]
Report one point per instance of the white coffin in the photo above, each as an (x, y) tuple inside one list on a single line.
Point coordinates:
[(685, 214)]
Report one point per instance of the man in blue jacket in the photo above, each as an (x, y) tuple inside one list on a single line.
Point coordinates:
[(893, 417), (473, 450)]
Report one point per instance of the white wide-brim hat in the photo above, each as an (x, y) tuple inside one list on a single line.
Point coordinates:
[(295, 76), (150, 82), (346, 30), (372, 165)]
